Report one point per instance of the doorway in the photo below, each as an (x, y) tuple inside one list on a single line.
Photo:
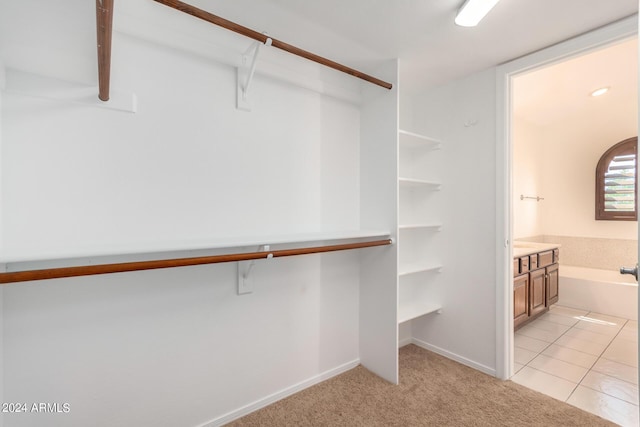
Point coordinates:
[(508, 77)]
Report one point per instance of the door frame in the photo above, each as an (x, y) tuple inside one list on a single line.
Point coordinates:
[(607, 35)]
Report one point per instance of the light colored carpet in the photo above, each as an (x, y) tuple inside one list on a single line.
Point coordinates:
[(433, 391)]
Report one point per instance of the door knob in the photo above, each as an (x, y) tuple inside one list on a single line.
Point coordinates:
[(627, 270)]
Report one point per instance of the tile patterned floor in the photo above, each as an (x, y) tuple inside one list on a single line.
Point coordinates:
[(586, 359)]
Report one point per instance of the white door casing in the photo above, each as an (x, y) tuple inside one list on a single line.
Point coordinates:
[(505, 74)]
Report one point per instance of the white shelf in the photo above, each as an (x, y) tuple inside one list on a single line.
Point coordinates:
[(415, 292), (413, 310), (417, 268), (418, 226), (412, 140), (411, 182), (28, 260)]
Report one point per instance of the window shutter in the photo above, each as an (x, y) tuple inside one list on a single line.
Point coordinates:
[(616, 182), (620, 184)]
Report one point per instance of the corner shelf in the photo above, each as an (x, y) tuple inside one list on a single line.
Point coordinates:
[(412, 182), (417, 268), (412, 140), (408, 312), (419, 226)]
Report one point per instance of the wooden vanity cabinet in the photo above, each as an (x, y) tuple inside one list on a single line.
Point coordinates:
[(535, 285), (537, 292), (552, 284), (520, 299)]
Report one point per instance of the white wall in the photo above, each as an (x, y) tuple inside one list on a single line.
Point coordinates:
[(572, 150), (556, 158), (529, 167), (558, 162), (466, 328), (177, 346), (187, 165)]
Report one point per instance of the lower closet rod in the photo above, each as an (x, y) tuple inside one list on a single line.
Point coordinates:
[(89, 270)]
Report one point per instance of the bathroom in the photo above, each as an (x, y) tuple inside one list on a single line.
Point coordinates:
[(584, 349)]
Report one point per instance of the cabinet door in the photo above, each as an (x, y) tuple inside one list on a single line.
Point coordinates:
[(552, 284), (537, 292), (520, 299)]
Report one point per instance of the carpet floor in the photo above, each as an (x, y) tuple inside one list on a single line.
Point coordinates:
[(433, 391)]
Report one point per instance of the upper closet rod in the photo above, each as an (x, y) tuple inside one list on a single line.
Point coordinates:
[(104, 26), (248, 32), (89, 270)]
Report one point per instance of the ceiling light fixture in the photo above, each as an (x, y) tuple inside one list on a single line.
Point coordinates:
[(600, 91), (472, 12)]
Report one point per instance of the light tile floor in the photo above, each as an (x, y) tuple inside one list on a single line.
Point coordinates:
[(586, 359)]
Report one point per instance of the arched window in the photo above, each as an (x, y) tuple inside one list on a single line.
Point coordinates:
[(616, 189)]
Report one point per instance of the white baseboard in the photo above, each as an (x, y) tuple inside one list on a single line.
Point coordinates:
[(272, 398), (405, 341), (449, 355)]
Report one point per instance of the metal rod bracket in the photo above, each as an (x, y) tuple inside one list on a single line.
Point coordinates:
[(245, 72), (245, 281)]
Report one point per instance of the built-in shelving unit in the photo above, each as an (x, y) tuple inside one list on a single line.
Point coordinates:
[(417, 227)]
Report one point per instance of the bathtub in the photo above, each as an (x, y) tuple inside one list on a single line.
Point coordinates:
[(602, 291)]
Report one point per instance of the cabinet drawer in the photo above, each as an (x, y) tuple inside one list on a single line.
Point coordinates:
[(533, 262), (545, 258), (516, 267), (524, 264)]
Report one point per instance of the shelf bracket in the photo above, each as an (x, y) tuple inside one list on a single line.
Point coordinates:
[(245, 281), (245, 72)]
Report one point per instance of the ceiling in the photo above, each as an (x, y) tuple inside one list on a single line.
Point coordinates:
[(423, 35), (431, 48), (553, 94)]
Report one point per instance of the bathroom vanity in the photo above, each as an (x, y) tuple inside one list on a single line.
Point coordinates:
[(535, 280)]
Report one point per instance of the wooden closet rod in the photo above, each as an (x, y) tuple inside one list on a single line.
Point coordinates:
[(104, 26), (248, 32), (89, 270)]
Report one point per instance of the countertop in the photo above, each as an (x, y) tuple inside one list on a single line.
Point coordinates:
[(521, 248)]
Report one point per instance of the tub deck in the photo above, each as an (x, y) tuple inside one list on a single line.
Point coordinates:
[(602, 291)]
